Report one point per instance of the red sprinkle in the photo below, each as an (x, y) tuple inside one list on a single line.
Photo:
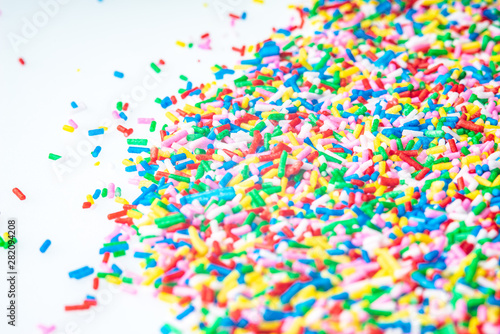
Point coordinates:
[(19, 194)]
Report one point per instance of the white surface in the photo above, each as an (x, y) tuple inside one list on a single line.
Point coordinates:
[(97, 38)]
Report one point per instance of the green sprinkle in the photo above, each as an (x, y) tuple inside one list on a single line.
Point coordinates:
[(155, 68), (53, 156), (142, 142)]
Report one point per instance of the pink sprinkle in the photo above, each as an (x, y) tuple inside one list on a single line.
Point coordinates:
[(145, 120), (73, 124), (46, 329)]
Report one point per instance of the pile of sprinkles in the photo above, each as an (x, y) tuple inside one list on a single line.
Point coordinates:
[(344, 178)]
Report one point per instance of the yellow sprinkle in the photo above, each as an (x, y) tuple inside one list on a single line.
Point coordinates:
[(396, 48), (431, 26), (470, 159), (152, 274), (473, 324), (183, 251), (471, 45), (267, 71), (380, 191), (246, 184), (436, 150), (420, 237), (171, 117), (496, 182), (269, 175), (482, 181), (68, 128), (113, 279), (235, 180), (271, 326), (353, 109), (134, 214), (350, 71), (384, 139), (314, 178), (381, 167), (168, 298), (246, 201), (242, 67), (473, 194), (228, 286), (386, 260), (402, 200), (127, 162), (121, 200), (90, 199), (442, 166), (218, 157), (197, 242), (357, 130), (193, 110), (394, 110), (292, 138), (245, 126)]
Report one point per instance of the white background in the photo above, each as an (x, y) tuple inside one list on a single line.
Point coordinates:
[(95, 38)]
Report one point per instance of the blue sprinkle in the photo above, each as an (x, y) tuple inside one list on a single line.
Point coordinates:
[(269, 49), (137, 150), (270, 315), (220, 74), (399, 29), (116, 269), (225, 180), (118, 74), (431, 255), (96, 151), (226, 194), (178, 157), (166, 102), (329, 212), (422, 280), (45, 246), (183, 165), (96, 132), (292, 291), (350, 55), (185, 313), (114, 248), (438, 220), (142, 255), (365, 256), (81, 273), (96, 194), (340, 296), (131, 168)]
